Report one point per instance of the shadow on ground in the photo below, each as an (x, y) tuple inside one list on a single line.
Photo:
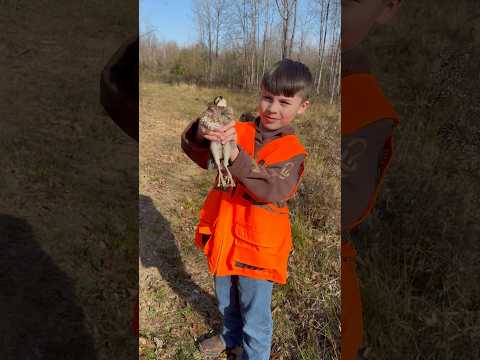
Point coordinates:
[(40, 316), (162, 252)]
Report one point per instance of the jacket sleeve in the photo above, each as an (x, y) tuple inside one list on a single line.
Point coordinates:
[(361, 155), (273, 183), (198, 152)]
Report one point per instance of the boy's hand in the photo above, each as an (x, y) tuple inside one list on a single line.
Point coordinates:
[(229, 133), (204, 133), (224, 134)]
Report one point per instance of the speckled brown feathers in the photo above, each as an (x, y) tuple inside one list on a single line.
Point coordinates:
[(216, 115)]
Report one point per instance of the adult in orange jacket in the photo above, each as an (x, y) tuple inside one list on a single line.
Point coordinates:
[(367, 125), (245, 231)]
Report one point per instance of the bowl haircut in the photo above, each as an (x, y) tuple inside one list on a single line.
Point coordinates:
[(288, 78)]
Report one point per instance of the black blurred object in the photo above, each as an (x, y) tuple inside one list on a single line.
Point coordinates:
[(249, 116), (119, 88)]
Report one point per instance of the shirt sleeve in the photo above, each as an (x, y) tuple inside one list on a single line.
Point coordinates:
[(198, 152), (273, 183), (361, 155)]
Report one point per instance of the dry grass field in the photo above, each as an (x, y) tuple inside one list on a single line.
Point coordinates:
[(176, 295), (419, 251), (68, 185)]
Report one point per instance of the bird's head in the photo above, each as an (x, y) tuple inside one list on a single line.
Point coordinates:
[(220, 101)]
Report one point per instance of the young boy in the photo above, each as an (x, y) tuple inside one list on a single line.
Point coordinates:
[(245, 231), (367, 125)]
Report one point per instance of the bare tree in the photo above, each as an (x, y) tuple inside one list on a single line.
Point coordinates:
[(254, 14), (335, 51), (324, 16), (219, 10), (286, 10), (335, 62), (239, 39), (266, 29), (292, 36), (306, 23), (207, 15)]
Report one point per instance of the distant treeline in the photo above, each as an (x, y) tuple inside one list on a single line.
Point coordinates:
[(238, 40)]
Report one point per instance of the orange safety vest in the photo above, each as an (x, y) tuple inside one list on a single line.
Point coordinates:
[(235, 229), (363, 103)]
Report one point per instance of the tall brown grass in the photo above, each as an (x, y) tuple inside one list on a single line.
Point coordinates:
[(418, 262)]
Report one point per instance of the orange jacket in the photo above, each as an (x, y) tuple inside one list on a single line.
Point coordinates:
[(362, 104), (241, 236)]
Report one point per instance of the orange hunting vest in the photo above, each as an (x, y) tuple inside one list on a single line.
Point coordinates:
[(242, 236), (363, 103)]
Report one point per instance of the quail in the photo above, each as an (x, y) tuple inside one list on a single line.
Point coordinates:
[(217, 115)]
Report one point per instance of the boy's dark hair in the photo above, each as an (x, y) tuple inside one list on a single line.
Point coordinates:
[(287, 78)]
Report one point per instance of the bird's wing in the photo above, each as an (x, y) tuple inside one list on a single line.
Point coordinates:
[(207, 118), (226, 115)]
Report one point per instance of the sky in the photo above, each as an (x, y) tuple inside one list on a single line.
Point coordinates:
[(171, 19)]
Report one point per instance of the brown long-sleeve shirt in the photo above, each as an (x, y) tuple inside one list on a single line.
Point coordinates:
[(362, 151), (361, 156), (272, 183)]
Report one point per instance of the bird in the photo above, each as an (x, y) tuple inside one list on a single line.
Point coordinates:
[(216, 115)]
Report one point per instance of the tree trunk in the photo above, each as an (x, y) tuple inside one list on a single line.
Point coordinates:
[(284, 14), (295, 2), (265, 34), (253, 50), (321, 52)]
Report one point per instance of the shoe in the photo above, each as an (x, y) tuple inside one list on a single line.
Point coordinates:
[(212, 347), (235, 353)]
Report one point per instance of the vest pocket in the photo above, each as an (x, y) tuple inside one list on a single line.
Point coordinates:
[(262, 234), (261, 249), (203, 237), (262, 224)]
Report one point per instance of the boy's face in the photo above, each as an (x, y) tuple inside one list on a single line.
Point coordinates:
[(359, 16), (277, 111)]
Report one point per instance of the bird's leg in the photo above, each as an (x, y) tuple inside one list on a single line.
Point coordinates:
[(227, 151), (229, 178), (221, 180), (216, 149)]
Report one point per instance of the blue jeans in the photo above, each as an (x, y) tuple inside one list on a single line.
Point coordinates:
[(245, 305)]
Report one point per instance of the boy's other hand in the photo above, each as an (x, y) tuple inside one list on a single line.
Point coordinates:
[(228, 132)]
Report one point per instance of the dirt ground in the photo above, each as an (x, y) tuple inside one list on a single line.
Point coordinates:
[(177, 302), (69, 185)]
